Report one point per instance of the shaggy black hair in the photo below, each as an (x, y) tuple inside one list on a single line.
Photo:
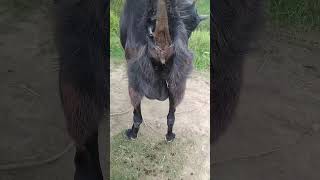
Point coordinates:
[(83, 64), (147, 76), (234, 24)]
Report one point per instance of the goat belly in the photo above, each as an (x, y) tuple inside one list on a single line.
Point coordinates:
[(157, 90)]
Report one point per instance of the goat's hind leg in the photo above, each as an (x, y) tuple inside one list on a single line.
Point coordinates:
[(83, 114), (137, 117), (137, 120), (171, 118), (176, 94)]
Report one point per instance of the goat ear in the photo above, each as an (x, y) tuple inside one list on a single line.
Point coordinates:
[(203, 17)]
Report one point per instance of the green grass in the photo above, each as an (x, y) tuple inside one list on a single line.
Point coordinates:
[(199, 42), (145, 157), (116, 6), (203, 8), (116, 50), (298, 14)]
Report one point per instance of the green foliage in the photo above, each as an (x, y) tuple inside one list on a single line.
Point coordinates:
[(199, 41), (116, 50), (116, 6), (114, 23), (203, 8), (200, 45)]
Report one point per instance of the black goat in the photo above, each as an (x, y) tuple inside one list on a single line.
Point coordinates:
[(83, 79), (234, 24), (155, 37)]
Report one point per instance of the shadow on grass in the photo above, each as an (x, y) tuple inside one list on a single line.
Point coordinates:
[(146, 157)]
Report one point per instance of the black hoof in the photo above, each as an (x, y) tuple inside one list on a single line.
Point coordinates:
[(130, 134), (170, 137)]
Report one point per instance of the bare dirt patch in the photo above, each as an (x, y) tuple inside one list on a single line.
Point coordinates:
[(32, 122), (275, 132)]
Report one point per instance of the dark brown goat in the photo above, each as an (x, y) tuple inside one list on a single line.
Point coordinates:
[(155, 39), (83, 79)]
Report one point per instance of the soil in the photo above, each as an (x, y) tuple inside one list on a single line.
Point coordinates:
[(275, 132), (32, 128)]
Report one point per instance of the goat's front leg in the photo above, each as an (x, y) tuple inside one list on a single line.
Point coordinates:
[(171, 118), (137, 120)]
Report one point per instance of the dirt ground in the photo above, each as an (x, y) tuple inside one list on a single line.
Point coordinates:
[(192, 119), (275, 134), (33, 129)]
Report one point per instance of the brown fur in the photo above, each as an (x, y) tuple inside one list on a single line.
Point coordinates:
[(82, 113)]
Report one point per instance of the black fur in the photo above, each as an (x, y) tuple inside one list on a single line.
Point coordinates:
[(234, 24), (83, 63), (147, 76)]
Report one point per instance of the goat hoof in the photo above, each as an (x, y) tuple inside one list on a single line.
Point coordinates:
[(130, 134), (170, 137)]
